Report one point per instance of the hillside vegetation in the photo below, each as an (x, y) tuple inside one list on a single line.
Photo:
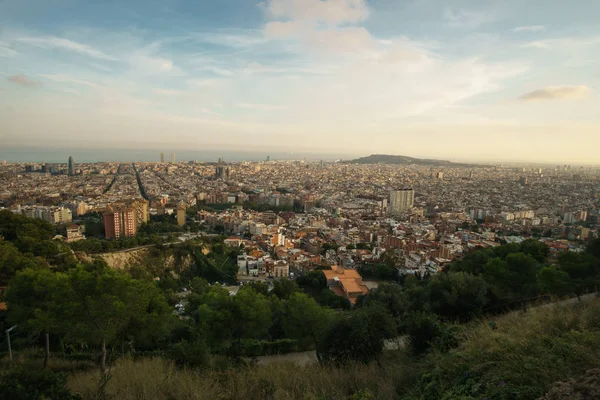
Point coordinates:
[(74, 314), (517, 356)]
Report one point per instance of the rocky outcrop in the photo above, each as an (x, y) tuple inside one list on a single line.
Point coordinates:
[(148, 258)]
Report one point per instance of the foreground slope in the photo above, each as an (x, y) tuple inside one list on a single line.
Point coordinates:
[(517, 356)]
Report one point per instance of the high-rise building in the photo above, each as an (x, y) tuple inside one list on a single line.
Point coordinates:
[(119, 221), (440, 175), (162, 157), (140, 207), (268, 158), (401, 201), (71, 167), (172, 158), (181, 214)]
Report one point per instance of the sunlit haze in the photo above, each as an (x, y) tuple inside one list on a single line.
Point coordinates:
[(472, 80)]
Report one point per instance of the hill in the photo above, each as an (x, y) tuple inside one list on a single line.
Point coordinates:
[(404, 160), (516, 356)]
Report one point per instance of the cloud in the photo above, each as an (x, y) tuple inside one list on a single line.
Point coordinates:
[(350, 39), (539, 44), (210, 112), (468, 19), (6, 51), (331, 12), (53, 42), (23, 81), (529, 28), (217, 70), (146, 62), (166, 92), (567, 44), (261, 107), (67, 79), (557, 93), (283, 29)]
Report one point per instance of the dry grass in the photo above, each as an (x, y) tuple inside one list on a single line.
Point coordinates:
[(518, 356), (159, 379)]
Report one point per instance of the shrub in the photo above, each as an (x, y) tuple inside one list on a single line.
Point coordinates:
[(189, 354), (31, 384)]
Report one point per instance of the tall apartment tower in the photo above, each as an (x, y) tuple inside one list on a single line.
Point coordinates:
[(401, 201), (172, 158), (71, 166), (162, 157), (119, 222), (181, 214)]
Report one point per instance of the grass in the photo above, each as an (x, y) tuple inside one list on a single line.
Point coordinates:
[(158, 379), (517, 356), (513, 357)]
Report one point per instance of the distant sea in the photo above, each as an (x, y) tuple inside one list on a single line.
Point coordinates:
[(54, 155)]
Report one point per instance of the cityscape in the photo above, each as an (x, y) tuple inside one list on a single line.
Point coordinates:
[(299, 200), (309, 215)]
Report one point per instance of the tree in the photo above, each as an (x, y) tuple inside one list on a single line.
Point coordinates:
[(457, 295), (358, 336), (390, 296), (284, 288), (252, 315), (34, 300), (257, 286), (12, 260), (99, 303), (512, 279), (583, 270), (554, 280), (538, 250), (593, 248), (305, 320)]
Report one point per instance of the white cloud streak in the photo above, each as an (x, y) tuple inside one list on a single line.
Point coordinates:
[(53, 42), (557, 93), (529, 28)]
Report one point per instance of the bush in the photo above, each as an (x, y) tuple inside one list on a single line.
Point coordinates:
[(427, 330), (24, 384), (189, 354)]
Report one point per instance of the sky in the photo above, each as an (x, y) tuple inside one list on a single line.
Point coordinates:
[(502, 80)]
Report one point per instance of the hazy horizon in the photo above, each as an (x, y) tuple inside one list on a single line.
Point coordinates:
[(38, 155), (497, 81)]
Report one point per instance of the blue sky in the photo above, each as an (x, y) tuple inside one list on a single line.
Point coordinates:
[(480, 80)]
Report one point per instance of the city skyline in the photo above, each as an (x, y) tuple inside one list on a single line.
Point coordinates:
[(500, 81)]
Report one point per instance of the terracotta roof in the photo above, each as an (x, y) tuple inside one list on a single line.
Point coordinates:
[(352, 286)]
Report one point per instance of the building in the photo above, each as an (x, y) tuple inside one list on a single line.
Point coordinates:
[(222, 172), (345, 283), (162, 157), (74, 233), (401, 201), (119, 221), (440, 176), (56, 215), (181, 214), (141, 211), (172, 158), (71, 167), (281, 269)]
